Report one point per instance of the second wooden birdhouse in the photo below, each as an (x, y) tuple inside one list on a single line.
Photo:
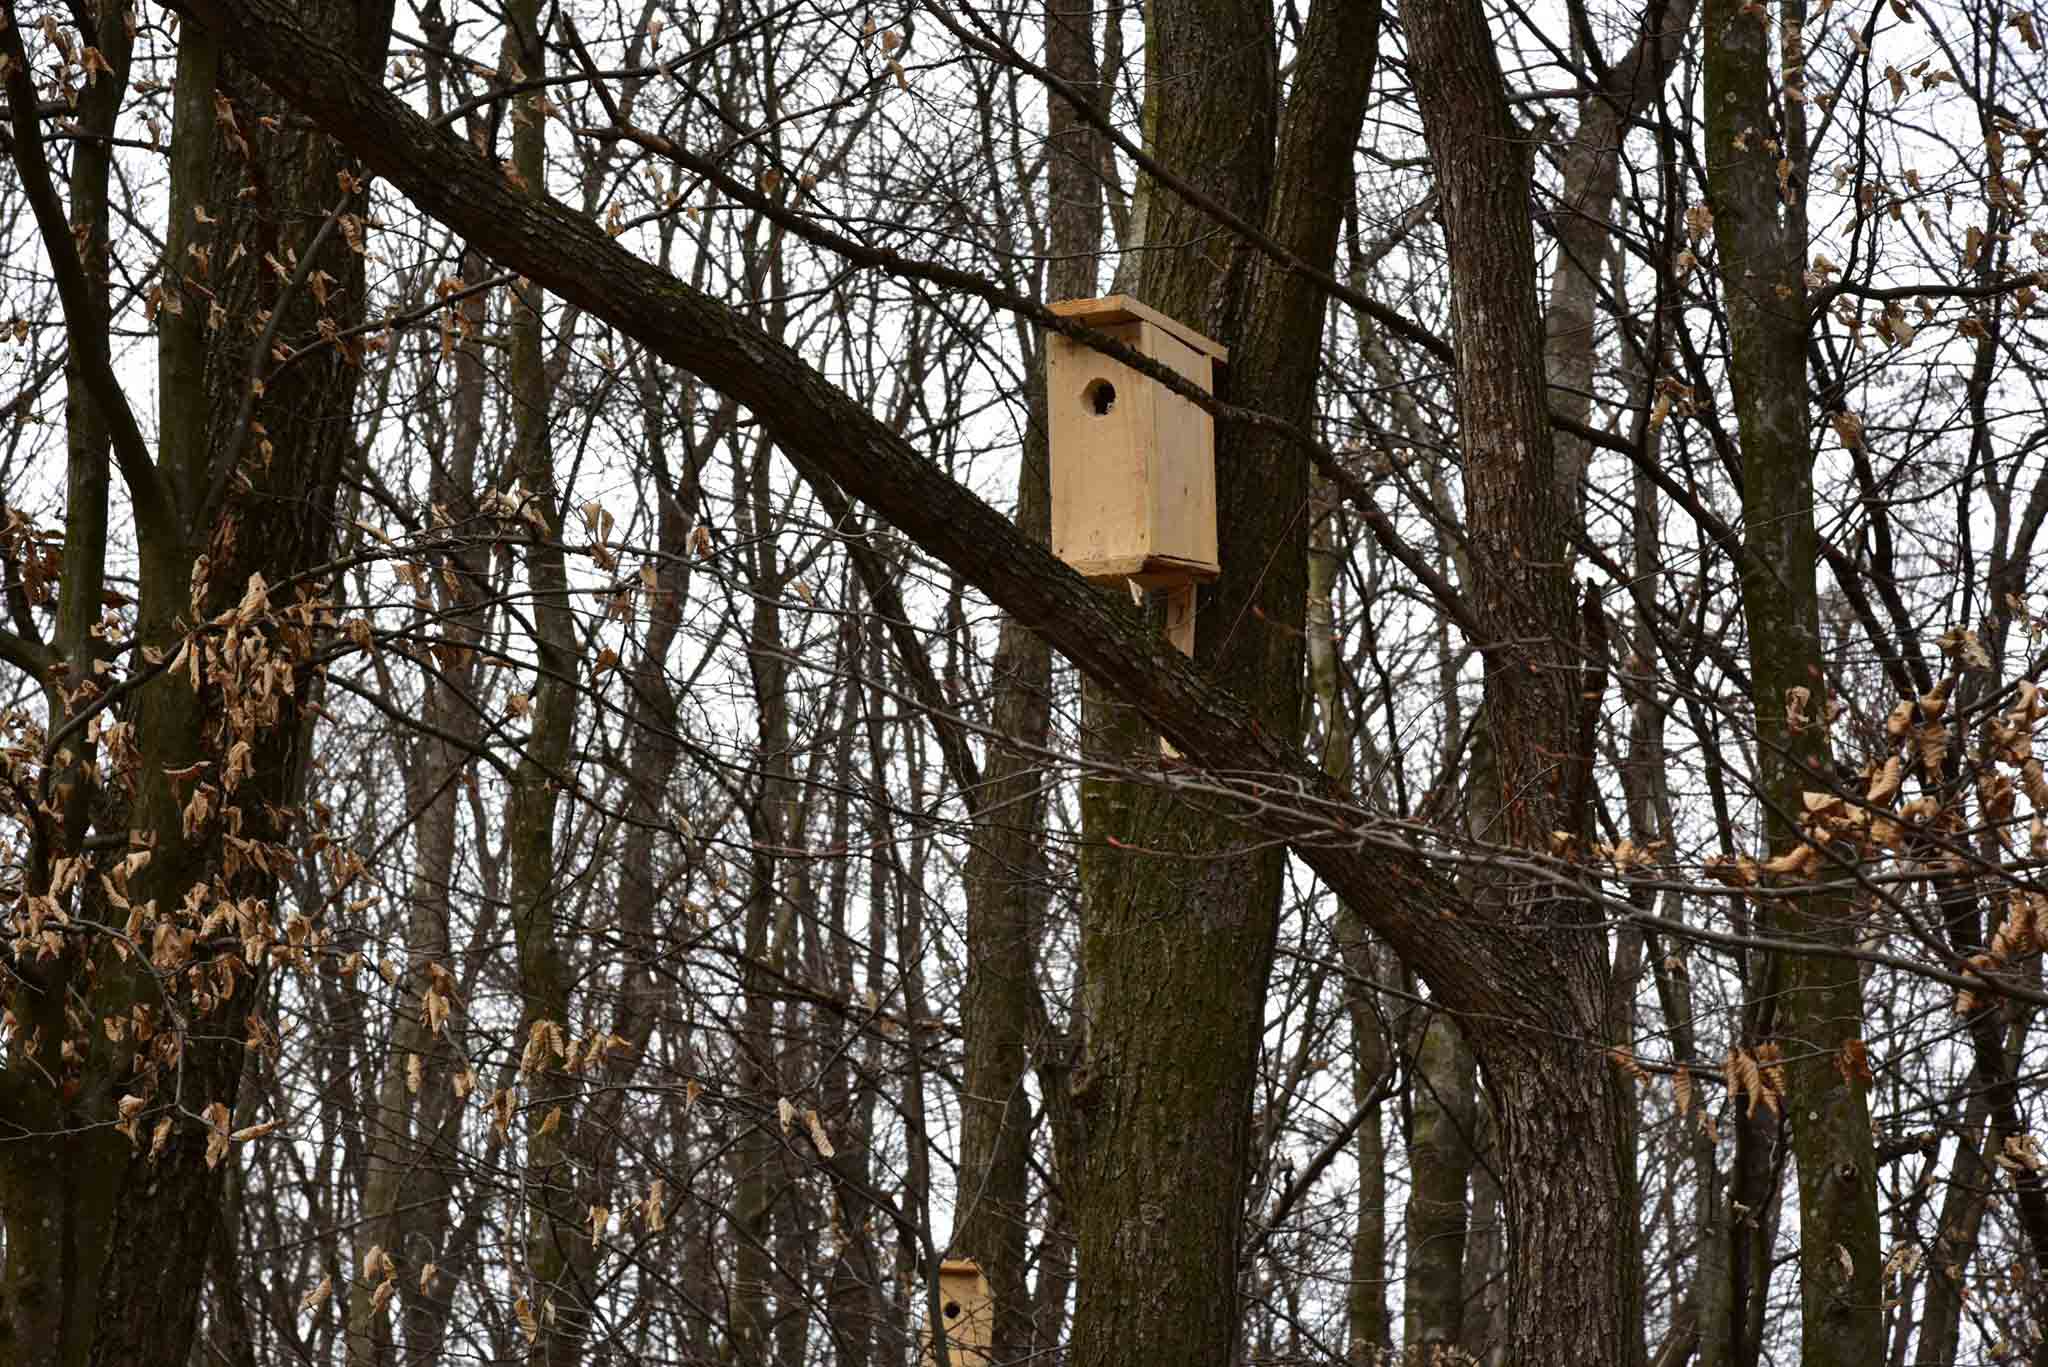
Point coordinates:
[(1133, 463), (967, 1312)]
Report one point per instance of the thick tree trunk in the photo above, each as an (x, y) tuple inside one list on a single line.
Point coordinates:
[(1560, 1108), (1177, 941), (108, 1268), (1574, 1281)]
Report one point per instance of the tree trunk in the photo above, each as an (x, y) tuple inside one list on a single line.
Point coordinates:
[(1177, 941), (1760, 233), (1561, 1110), (756, 1160), (1367, 1331), (1005, 867), (108, 1267), (1444, 1122)]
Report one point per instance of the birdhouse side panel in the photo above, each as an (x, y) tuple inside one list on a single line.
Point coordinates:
[(1102, 417), (1183, 483)]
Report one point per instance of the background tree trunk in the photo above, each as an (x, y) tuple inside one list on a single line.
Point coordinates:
[(1443, 1129), (1760, 230)]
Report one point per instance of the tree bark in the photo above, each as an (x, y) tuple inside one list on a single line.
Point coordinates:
[(1179, 910), (108, 1266), (1574, 1289), (1758, 192)]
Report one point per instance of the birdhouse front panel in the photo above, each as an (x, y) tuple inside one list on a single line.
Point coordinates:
[(1133, 463), (1101, 419), (968, 1313)]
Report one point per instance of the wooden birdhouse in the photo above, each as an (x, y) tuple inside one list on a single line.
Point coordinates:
[(1133, 463), (968, 1313)]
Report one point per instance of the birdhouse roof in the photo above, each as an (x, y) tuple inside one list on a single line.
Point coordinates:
[(1121, 308)]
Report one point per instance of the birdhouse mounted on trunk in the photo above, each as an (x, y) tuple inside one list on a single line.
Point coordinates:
[(968, 1313), (1133, 463)]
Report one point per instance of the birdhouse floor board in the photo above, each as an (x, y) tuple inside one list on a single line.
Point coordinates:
[(1146, 571)]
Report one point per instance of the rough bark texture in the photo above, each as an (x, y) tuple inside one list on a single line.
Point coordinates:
[(1760, 233), (1165, 1115), (1561, 1112), (1177, 939), (104, 1261)]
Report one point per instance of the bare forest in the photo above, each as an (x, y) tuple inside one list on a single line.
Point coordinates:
[(557, 807)]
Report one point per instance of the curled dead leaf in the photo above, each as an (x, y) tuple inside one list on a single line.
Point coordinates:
[(1852, 1061), (217, 1119)]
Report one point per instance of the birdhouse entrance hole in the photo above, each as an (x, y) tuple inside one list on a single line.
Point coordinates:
[(1100, 396)]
